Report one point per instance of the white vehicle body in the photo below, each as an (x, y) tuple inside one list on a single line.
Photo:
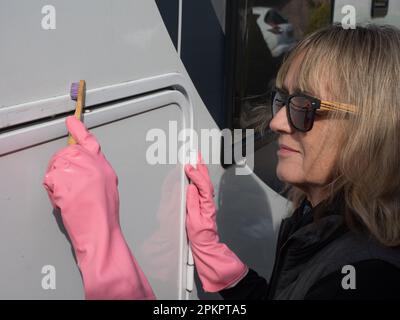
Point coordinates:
[(136, 82)]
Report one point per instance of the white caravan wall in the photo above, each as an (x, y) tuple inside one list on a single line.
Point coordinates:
[(107, 43)]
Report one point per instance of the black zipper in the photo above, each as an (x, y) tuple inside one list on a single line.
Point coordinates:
[(278, 259)]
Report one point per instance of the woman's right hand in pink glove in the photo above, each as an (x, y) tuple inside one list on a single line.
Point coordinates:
[(83, 185), (218, 267)]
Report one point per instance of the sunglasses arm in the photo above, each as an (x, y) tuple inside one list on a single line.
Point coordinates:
[(332, 106)]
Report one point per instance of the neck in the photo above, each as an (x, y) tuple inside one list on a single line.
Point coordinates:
[(315, 194)]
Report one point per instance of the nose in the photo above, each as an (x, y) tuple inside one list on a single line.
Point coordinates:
[(280, 123)]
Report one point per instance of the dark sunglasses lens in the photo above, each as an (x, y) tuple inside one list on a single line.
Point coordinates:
[(278, 101), (301, 113)]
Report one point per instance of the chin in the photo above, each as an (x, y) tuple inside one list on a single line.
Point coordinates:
[(289, 174)]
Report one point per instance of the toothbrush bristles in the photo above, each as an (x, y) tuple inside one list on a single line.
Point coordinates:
[(74, 90)]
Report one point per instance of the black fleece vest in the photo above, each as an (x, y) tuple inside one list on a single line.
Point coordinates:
[(318, 249)]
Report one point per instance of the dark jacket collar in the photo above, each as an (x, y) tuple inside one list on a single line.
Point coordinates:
[(313, 227)]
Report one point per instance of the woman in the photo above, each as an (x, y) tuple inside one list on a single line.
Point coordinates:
[(337, 113)]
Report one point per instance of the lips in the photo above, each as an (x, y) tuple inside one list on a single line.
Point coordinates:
[(284, 147)]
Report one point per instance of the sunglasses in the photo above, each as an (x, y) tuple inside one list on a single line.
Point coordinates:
[(301, 108)]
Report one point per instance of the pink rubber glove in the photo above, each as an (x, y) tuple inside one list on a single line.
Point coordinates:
[(218, 267), (80, 181)]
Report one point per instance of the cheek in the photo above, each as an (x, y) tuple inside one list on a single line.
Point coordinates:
[(319, 161), (316, 161)]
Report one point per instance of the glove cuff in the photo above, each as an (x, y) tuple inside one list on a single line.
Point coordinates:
[(218, 267), (112, 272)]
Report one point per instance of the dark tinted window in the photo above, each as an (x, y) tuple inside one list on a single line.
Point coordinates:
[(261, 45), (257, 52)]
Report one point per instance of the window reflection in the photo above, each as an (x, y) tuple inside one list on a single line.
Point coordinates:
[(266, 31)]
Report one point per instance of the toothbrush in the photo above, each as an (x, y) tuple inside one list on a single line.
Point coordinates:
[(78, 93)]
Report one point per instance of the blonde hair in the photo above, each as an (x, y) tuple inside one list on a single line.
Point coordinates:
[(361, 67)]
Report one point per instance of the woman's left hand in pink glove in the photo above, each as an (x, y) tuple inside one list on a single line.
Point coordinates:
[(217, 265), (83, 185)]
